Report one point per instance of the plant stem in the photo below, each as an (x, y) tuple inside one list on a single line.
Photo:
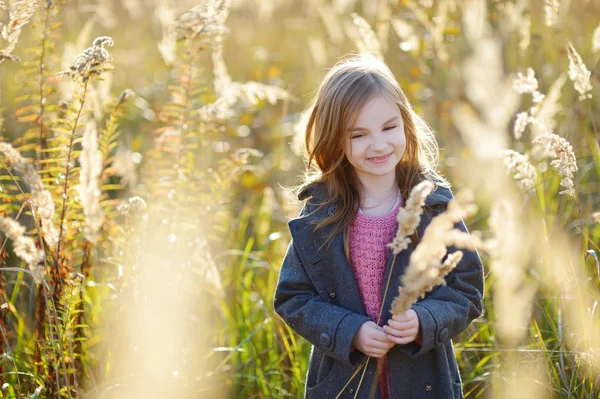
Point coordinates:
[(65, 195), (43, 143)]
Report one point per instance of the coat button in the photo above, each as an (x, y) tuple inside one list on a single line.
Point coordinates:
[(332, 295), (351, 390), (444, 335), (324, 339), (332, 209), (428, 387)]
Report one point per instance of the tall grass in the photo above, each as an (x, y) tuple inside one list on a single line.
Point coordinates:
[(173, 298)]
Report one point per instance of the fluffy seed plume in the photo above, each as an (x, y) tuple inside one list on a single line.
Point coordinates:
[(544, 120), (565, 161), (521, 169), (19, 15), (425, 269), (596, 40), (551, 12), (508, 250), (367, 42), (204, 25), (42, 199), (596, 217), (579, 73), (230, 92), (88, 187), (521, 124), (410, 215), (525, 83), (92, 62), (23, 246)]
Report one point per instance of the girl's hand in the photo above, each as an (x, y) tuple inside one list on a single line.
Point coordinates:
[(371, 340), (403, 329)]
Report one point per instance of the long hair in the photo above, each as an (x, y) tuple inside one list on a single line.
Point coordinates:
[(343, 92)]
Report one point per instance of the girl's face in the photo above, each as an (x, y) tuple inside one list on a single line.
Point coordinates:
[(376, 142)]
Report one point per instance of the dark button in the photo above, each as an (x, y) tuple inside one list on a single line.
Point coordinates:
[(332, 295), (351, 390), (332, 209), (324, 339), (444, 335)]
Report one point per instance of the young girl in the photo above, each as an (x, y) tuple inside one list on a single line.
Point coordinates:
[(367, 149)]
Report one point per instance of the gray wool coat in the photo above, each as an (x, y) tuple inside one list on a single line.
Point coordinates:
[(317, 296)]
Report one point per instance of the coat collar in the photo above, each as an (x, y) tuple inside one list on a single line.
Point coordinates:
[(318, 193), (334, 259)]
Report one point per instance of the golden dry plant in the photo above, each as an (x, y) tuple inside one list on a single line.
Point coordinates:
[(20, 14), (425, 269)]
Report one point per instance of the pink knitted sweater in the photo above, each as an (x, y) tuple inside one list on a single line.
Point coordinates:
[(369, 253)]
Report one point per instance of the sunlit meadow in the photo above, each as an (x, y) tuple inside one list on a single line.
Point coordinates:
[(145, 154)]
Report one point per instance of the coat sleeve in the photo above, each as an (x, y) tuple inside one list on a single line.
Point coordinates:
[(448, 309), (328, 327)]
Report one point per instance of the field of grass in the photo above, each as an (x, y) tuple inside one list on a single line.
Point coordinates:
[(145, 154)]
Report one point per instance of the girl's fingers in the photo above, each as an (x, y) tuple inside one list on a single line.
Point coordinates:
[(407, 316), (379, 345), (401, 331), (401, 341), (396, 325), (380, 337)]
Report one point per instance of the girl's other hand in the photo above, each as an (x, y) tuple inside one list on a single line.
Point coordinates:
[(370, 339), (404, 328)]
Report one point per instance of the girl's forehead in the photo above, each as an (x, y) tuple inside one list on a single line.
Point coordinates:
[(377, 109)]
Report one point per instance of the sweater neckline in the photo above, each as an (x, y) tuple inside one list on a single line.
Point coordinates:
[(392, 211)]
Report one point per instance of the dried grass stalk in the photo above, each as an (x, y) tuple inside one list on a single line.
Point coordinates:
[(521, 169), (19, 15), (23, 246), (42, 199), (367, 41), (88, 188), (579, 73), (425, 269), (565, 162), (410, 215)]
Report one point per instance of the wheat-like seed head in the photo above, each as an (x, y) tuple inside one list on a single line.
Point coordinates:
[(88, 188), (596, 40), (525, 83), (204, 25), (579, 73), (425, 270), (565, 162), (91, 62), (410, 215), (42, 199), (230, 92), (19, 15), (551, 12), (523, 171), (368, 42), (23, 246), (508, 249)]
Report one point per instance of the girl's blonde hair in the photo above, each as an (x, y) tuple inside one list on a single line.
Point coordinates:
[(346, 88)]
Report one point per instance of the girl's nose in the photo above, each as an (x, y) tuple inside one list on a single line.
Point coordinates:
[(378, 143)]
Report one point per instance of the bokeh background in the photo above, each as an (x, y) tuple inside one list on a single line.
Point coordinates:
[(162, 281)]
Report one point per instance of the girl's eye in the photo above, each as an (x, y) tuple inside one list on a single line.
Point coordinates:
[(355, 136), (390, 128)]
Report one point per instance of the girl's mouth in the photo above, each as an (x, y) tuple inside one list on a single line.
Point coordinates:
[(380, 159)]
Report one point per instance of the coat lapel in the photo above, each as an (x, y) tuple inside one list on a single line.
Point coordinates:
[(329, 270)]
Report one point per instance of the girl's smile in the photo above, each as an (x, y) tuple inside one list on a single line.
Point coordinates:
[(380, 160)]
